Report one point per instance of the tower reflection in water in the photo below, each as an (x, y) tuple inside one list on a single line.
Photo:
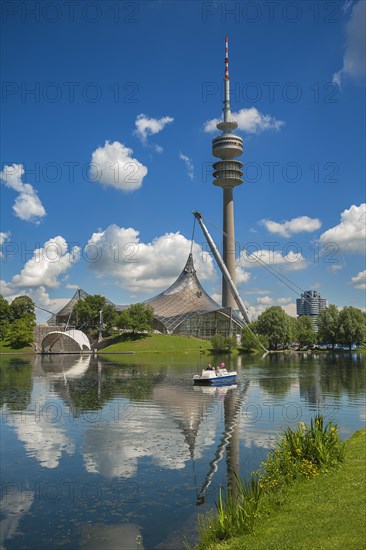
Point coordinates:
[(230, 440)]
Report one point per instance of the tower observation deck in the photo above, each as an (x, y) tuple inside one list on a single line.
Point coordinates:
[(227, 174)]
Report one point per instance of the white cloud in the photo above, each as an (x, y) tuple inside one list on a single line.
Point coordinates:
[(250, 121), (350, 233), (6, 289), (146, 126), (291, 227), (137, 266), (113, 165), (27, 205), (359, 280), (354, 55), (264, 302), (292, 261), (189, 165), (217, 296), (242, 276), (46, 265), (270, 301), (41, 298), (258, 291), (4, 236)]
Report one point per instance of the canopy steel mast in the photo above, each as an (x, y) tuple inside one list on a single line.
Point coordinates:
[(226, 275), (224, 270)]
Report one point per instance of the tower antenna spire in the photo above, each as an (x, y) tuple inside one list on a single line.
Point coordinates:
[(226, 57), (227, 108)]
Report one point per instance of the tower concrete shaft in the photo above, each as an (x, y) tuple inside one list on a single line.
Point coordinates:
[(228, 246), (228, 174)]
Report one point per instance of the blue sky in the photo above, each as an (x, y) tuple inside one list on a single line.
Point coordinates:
[(107, 112)]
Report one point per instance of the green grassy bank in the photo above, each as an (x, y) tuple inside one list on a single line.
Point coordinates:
[(155, 343), (6, 348), (325, 512)]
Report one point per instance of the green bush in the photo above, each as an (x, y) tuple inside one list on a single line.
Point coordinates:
[(302, 452), (222, 343)]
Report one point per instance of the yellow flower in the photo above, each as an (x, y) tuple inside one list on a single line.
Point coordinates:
[(302, 425)]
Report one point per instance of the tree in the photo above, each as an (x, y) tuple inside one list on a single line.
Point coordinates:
[(4, 309), (17, 321), (251, 341), (20, 306), (4, 317), (222, 343), (275, 325), (352, 326), (329, 325), (305, 333), (20, 332), (137, 318), (87, 313), (4, 328), (293, 327)]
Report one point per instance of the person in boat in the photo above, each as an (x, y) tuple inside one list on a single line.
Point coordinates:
[(218, 368), (210, 367)]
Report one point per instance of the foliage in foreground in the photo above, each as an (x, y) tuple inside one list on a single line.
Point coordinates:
[(238, 508), (299, 454), (302, 453)]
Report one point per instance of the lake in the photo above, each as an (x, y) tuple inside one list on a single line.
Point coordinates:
[(123, 453)]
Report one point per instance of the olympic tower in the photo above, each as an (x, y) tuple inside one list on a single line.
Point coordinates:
[(228, 174)]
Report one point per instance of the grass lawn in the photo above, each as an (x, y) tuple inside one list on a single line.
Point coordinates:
[(326, 512), (6, 348), (157, 343)]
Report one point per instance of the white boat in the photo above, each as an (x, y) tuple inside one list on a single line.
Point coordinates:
[(211, 376)]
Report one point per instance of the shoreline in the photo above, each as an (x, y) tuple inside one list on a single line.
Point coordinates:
[(105, 351), (308, 503)]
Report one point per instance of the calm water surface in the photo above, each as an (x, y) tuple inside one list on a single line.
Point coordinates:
[(120, 454)]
